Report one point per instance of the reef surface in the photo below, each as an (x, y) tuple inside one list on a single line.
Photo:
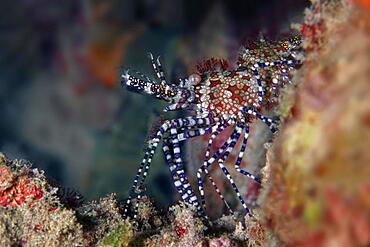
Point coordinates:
[(315, 184)]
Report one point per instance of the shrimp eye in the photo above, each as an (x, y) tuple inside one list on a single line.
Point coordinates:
[(194, 79)]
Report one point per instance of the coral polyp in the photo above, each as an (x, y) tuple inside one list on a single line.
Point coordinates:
[(216, 97)]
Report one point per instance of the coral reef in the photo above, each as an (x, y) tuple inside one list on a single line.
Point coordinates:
[(317, 190), (315, 185), (31, 213)]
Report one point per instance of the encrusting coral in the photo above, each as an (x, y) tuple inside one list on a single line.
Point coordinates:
[(31, 213), (315, 185), (317, 193)]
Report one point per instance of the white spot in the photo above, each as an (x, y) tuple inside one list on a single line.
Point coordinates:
[(228, 93)]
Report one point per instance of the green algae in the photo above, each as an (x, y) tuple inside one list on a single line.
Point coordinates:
[(119, 237)]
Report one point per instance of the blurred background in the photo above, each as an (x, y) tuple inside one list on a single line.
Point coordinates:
[(61, 103)]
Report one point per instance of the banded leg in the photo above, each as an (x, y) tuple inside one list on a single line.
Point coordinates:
[(158, 69), (202, 169), (145, 164), (180, 180), (178, 165), (153, 143), (239, 128), (215, 130), (216, 155), (241, 155), (218, 192), (271, 123), (208, 163), (134, 188), (230, 144), (176, 172), (259, 83)]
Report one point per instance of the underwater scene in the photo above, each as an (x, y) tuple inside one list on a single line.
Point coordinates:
[(185, 123)]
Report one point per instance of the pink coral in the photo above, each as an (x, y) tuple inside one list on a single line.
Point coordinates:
[(319, 178), (22, 190), (220, 242), (181, 229)]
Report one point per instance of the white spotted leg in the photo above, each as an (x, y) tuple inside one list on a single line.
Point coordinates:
[(271, 123), (234, 138), (152, 145), (229, 144), (158, 69), (173, 154), (241, 155), (178, 163), (180, 180), (203, 168)]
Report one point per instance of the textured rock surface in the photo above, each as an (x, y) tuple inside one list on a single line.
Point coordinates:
[(317, 191), (35, 213), (315, 185), (31, 213)]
